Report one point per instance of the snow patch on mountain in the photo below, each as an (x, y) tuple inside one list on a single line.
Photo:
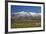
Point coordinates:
[(23, 13)]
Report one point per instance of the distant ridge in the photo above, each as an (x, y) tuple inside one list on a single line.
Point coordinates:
[(26, 15)]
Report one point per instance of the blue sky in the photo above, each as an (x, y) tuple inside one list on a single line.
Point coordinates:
[(15, 8)]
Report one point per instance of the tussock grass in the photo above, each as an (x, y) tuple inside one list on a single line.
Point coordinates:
[(26, 24)]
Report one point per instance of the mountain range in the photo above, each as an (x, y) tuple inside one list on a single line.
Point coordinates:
[(26, 15)]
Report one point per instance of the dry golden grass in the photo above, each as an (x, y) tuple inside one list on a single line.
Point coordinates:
[(26, 24)]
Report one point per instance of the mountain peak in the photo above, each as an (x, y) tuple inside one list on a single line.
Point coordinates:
[(22, 13)]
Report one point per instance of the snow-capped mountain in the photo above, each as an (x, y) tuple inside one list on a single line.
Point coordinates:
[(27, 15), (22, 13)]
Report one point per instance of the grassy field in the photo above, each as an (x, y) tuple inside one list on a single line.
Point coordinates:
[(26, 24)]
